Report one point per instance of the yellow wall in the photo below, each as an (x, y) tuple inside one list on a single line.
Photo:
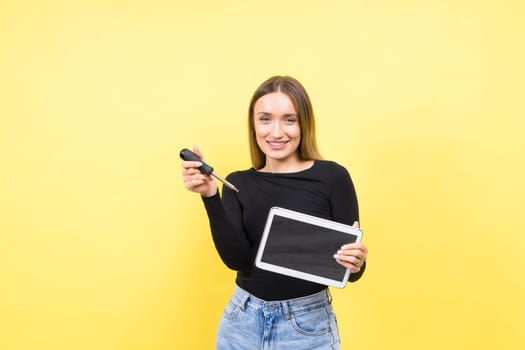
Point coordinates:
[(102, 248)]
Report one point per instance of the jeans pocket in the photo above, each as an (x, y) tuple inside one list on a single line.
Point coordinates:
[(312, 323), (231, 311)]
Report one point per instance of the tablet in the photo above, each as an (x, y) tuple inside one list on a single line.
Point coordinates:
[(303, 246)]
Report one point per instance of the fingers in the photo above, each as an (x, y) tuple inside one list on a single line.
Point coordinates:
[(352, 256), (351, 259), (355, 246), (194, 179), (353, 267), (354, 264), (192, 176), (190, 169), (197, 151), (191, 164)]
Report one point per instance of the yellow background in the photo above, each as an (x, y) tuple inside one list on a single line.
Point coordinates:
[(101, 247)]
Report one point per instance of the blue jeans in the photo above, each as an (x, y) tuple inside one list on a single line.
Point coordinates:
[(249, 323)]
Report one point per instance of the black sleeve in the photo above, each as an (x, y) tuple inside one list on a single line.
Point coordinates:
[(229, 239), (355, 276), (344, 206), (343, 199)]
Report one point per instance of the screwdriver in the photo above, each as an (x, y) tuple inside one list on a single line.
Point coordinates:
[(186, 154)]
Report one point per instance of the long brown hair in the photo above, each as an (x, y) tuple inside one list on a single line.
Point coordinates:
[(296, 92)]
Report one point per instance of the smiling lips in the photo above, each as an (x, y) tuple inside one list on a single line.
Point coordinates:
[(277, 145)]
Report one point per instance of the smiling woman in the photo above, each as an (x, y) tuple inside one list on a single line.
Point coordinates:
[(422, 101), (278, 133), (287, 172), (281, 101)]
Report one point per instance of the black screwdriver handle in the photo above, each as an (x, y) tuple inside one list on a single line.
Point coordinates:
[(186, 154)]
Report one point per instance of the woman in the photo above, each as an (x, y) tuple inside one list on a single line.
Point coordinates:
[(270, 310)]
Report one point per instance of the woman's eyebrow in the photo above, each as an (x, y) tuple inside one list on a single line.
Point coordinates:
[(284, 115)]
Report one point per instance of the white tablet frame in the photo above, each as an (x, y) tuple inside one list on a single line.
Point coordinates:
[(313, 220)]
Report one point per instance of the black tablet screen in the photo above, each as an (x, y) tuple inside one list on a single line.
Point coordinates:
[(305, 247)]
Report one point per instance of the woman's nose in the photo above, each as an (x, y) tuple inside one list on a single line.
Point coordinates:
[(277, 130)]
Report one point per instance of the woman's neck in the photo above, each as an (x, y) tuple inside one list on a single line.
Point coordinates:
[(275, 166)]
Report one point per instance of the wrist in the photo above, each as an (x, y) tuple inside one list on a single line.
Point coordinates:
[(210, 193)]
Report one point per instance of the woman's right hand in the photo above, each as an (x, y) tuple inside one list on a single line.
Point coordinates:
[(196, 181)]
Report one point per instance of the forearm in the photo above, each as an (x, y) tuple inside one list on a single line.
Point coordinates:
[(231, 243)]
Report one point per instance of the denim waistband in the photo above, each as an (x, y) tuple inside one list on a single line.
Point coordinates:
[(244, 300)]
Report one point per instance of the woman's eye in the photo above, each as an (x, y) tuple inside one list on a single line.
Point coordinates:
[(291, 120), (264, 119)]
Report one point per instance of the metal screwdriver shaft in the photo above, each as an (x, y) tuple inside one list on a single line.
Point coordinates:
[(186, 154)]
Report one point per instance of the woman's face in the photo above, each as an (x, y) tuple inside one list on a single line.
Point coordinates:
[(277, 128)]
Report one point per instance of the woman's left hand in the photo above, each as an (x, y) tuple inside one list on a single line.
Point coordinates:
[(352, 255)]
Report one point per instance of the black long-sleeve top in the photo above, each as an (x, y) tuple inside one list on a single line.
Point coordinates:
[(237, 221)]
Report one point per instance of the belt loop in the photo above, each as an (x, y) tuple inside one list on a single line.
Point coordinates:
[(286, 310), (243, 300)]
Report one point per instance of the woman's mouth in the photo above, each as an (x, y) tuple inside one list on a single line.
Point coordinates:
[(277, 145)]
